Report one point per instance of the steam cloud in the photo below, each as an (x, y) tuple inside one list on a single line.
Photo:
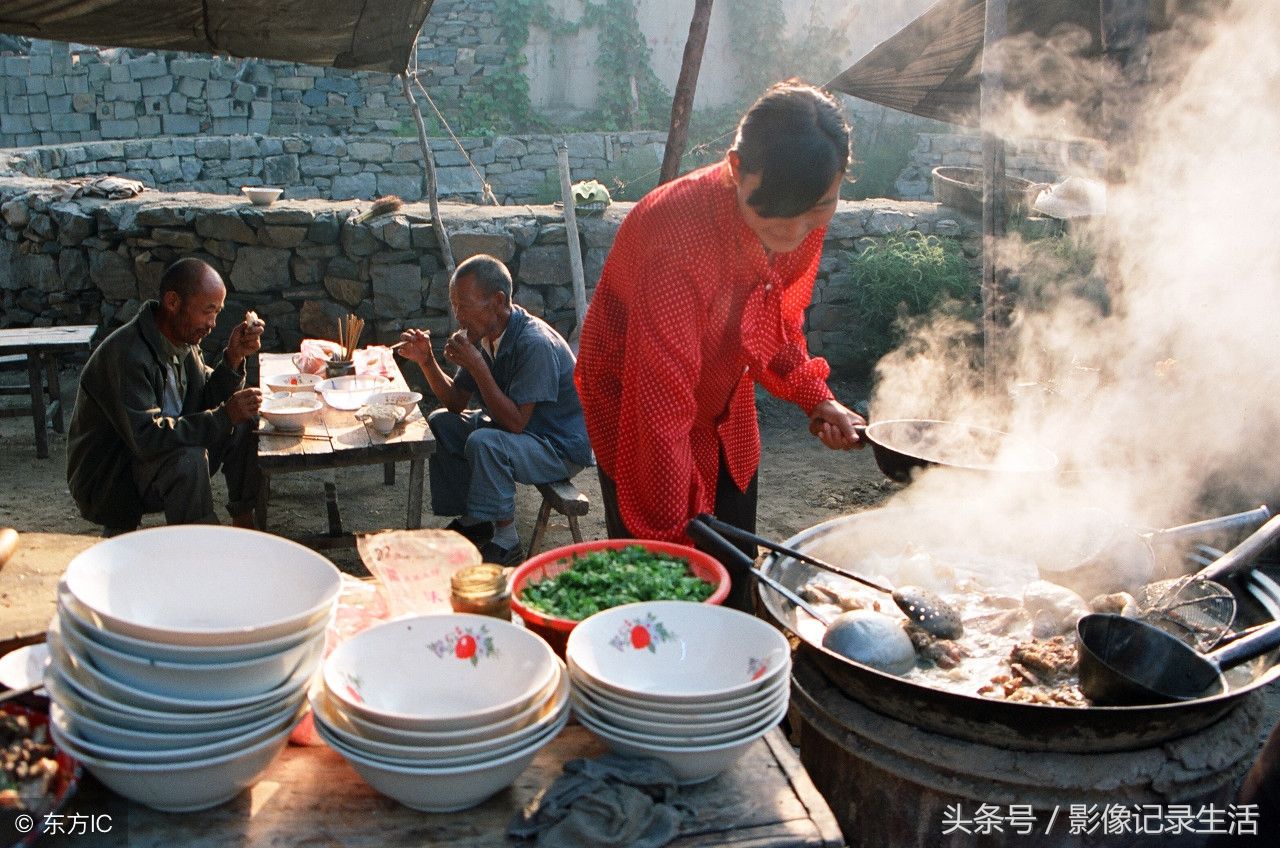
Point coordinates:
[(1167, 401)]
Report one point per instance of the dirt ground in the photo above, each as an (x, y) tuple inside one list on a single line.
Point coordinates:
[(801, 483)]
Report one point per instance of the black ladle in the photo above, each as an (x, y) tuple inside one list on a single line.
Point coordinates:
[(847, 634), (1127, 662), (924, 608)]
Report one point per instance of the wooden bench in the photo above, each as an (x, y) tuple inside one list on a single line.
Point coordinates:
[(564, 498)]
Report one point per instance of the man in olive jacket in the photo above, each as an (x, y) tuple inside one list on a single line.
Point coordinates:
[(152, 419)]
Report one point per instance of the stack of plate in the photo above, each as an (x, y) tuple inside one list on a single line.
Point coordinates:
[(691, 684), (440, 712), (180, 658)]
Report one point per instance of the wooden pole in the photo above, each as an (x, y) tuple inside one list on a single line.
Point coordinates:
[(575, 246), (995, 310), (433, 193), (682, 103)]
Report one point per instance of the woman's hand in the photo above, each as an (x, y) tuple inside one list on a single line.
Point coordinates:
[(833, 423), (415, 345)]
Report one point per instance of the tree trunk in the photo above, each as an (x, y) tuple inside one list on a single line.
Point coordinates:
[(682, 103), (995, 306), (433, 192)]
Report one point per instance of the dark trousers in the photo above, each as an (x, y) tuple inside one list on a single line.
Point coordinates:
[(733, 506)]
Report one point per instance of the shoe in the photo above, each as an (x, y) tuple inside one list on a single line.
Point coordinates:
[(495, 553), (477, 534)]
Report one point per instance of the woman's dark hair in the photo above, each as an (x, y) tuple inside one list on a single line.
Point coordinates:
[(796, 138)]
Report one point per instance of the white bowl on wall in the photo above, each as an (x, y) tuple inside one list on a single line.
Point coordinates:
[(262, 195)]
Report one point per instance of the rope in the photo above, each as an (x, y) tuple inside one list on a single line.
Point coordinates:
[(488, 189)]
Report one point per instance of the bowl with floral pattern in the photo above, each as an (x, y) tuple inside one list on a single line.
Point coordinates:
[(664, 651), (439, 672)]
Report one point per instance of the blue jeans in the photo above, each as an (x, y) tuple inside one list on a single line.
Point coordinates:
[(476, 465)]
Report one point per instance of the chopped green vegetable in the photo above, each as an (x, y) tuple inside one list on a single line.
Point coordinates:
[(610, 578)]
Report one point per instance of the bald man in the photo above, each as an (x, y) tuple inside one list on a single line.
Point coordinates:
[(152, 421)]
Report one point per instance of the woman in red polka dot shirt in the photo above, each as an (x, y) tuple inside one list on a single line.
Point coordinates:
[(703, 296)]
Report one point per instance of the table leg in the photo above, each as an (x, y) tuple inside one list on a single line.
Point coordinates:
[(331, 505), (413, 520), (36, 381), (264, 496), (389, 473), (55, 391)]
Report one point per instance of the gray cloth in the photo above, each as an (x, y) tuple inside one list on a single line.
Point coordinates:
[(178, 482), (613, 801), (535, 365), (118, 417), (475, 466)]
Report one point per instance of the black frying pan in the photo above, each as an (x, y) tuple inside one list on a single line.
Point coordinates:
[(903, 445), (1126, 662)]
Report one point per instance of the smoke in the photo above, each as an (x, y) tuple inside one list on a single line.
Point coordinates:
[(1161, 398)]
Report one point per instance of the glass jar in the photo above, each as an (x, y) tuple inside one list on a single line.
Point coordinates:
[(482, 590)]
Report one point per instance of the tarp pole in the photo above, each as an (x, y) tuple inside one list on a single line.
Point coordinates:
[(433, 193), (575, 246), (686, 86), (995, 308)]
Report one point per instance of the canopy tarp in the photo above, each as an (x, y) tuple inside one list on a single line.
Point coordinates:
[(932, 67), (370, 35)]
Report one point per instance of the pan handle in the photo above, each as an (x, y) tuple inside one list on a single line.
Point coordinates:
[(1250, 520), (719, 546), (1247, 647), (1243, 554)]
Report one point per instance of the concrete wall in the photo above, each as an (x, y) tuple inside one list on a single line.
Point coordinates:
[(302, 264)]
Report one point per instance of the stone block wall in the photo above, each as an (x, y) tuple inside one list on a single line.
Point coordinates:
[(1039, 161), (517, 168), (302, 264)]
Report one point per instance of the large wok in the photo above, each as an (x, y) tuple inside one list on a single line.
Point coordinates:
[(1020, 726)]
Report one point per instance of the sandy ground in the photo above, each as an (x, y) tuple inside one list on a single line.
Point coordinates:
[(802, 483)]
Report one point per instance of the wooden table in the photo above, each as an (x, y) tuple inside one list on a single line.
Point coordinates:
[(41, 347), (311, 797), (338, 440)]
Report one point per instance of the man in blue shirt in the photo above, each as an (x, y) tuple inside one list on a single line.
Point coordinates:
[(528, 427)]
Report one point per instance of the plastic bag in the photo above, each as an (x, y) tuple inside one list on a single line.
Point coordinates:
[(415, 566), (314, 354), (376, 359)]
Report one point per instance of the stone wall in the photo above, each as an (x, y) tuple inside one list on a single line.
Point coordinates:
[(1038, 161), (519, 169), (302, 264)]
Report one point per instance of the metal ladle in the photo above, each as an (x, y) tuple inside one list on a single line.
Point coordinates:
[(853, 634), (925, 609)]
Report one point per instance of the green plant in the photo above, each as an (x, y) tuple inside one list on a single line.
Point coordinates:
[(906, 276), (630, 95), (770, 51)]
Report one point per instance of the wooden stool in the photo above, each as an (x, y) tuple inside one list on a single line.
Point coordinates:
[(564, 498)]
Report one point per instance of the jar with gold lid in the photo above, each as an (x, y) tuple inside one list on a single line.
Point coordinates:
[(482, 590)]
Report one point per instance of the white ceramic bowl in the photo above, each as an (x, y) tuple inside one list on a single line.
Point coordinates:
[(351, 392), (97, 705), (712, 711), (541, 704), (80, 670), (102, 733), (73, 613), (290, 412), (443, 790), (196, 681), (262, 195), (494, 746), (691, 764), (203, 585), (247, 737), (440, 672), (182, 787), (683, 728), (408, 401), (678, 651), (683, 737), (296, 381)]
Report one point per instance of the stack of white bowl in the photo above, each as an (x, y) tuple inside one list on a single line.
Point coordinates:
[(180, 658), (441, 712), (691, 684)]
